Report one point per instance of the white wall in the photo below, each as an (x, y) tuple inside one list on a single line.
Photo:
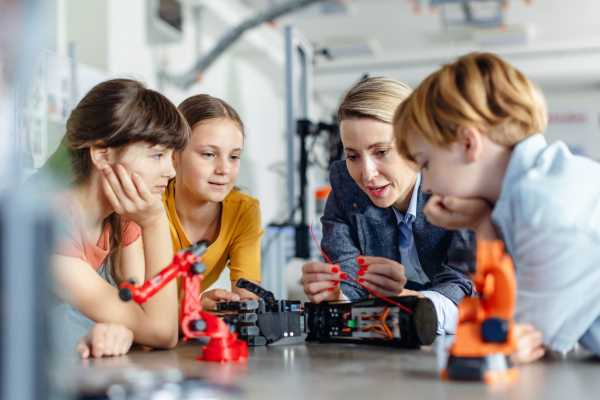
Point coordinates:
[(263, 112), (87, 25), (574, 117), (111, 36)]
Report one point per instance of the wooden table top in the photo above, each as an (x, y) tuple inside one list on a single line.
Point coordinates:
[(331, 371)]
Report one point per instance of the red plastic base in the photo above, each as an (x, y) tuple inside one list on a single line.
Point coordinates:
[(224, 349)]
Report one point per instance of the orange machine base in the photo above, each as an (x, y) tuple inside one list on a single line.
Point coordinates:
[(494, 368)]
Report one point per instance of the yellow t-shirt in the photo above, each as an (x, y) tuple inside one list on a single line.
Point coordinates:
[(238, 241)]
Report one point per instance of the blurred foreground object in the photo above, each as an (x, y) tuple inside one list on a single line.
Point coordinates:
[(26, 232), (25, 227), (130, 382), (484, 336)]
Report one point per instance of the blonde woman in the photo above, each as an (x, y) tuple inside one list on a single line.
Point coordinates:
[(373, 225)]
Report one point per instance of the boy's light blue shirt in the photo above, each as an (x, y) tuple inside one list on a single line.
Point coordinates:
[(548, 214)]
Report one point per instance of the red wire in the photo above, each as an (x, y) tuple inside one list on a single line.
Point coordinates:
[(319, 247), (374, 293)]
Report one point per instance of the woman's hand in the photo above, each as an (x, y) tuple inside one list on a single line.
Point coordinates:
[(321, 281), (105, 339), (382, 275), (452, 213), (529, 344), (130, 197), (210, 298)]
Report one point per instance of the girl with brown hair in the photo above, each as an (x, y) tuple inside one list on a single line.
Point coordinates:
[(204, 203), (119, 142)]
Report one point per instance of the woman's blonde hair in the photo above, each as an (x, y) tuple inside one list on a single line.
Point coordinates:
[(479, 89), (377, 98)]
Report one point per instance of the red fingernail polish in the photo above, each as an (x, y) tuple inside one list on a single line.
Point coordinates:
[(330, 289), (361, 280), (364, 267), (360, 273), (335, 282), (361, 260), (334, 270), (343, 276)]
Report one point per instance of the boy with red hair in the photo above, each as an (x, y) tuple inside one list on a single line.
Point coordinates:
[(475, 129)]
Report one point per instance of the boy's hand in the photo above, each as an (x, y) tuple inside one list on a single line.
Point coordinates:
[(210, 299), (529, 344), (105, 339), (382, 275), (320, 281), (452, 213)]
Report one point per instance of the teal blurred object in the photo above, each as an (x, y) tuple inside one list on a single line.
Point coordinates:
[(58, 167)]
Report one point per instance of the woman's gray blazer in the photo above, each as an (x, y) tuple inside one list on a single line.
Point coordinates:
[(353, 225)]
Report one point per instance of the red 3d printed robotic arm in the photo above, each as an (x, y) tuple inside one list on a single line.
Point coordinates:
[(187, 263)]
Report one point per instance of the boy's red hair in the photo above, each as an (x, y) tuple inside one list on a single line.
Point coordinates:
[(478, 89)]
